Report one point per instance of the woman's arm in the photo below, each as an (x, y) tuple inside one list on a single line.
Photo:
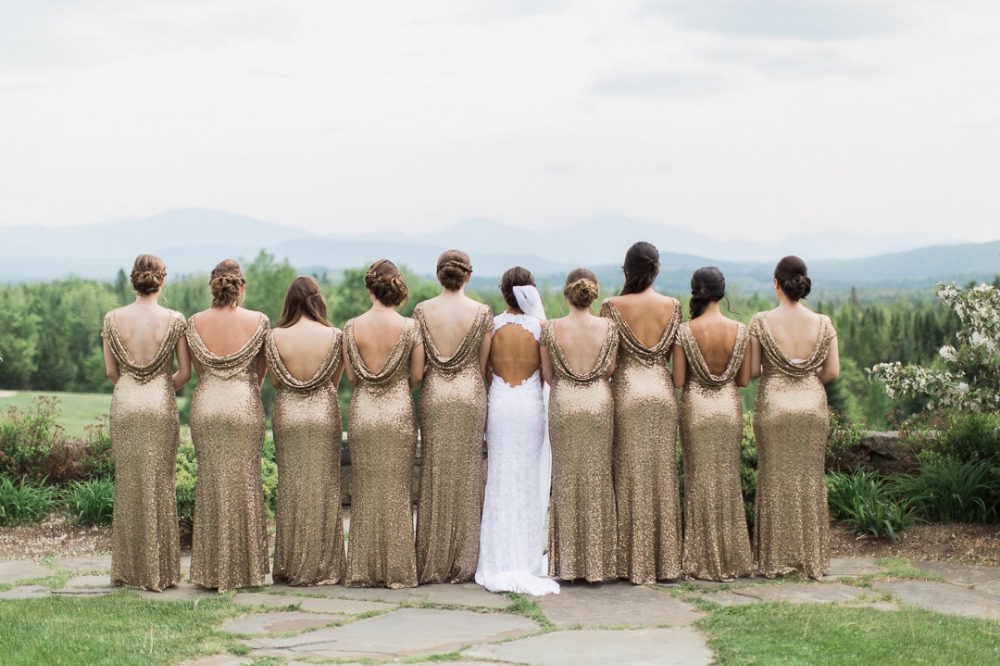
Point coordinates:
[(755, 356), (743, 374), (352, 377), (546, 364), (183, 374), (111, 364), (680, 367), (830, 369), (261, 368), (484, 352), (418, 359)]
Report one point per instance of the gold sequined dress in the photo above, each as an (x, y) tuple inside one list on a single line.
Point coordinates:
[(145, 551), (582, 529), (791, 425), (452, 424), (309, 527), (645, 454), (716, 540), (229, 544), (382, 435)]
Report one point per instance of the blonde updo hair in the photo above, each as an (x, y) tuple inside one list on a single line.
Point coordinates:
[(147, 276), (386, 283), (226, 282), (453, 269), (581, 288)]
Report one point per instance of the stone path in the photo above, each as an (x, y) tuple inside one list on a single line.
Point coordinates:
[(584, 624)]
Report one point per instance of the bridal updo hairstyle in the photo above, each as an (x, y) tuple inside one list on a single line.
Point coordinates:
[(303, 299), (792, 277), (226, 283), (453, 269), (581, 288), (515, 277), (642, 265), (386, 283), (708, 285), (147, 274)]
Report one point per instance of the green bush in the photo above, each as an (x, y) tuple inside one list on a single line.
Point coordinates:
[(187, 477), (25, 502), (748, 468), (844, 437), (862, 500), (97, 461), (26, 438), (948, 490), (90, 502), (269, 481), (969, 436)]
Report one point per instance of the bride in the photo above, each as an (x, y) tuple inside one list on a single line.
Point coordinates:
[(511, 542)]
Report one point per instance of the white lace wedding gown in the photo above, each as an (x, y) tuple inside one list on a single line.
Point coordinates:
[(511, 541)]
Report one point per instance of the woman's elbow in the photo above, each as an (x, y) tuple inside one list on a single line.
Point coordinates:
[(114, 376)]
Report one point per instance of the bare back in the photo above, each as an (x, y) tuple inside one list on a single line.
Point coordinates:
[(514, 354), (376, 332), (303, 346), (226, 330), (581, 340), (142, 328), (795, 329), (647, 313), (449, 319), (716, 337)]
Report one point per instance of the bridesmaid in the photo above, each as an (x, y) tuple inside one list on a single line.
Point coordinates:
[(456, 334), (229, 544), (582, 529), (384, 360), (141, 341), (794, 351), (710, 361), (645, 449), (304, 357)]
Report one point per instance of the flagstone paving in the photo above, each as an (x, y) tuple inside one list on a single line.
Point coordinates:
[(617, 604), (944, 598), (280, 623), (16, 570)]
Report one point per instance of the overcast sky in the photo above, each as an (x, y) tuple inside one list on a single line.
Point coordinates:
[(735, 118)]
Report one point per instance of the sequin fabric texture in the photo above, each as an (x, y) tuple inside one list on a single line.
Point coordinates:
[(309, 527), (382, 435), (582, 529), (645, 454), (229, 545), (452, 424), (716, 540), (145, 551), (791, 532)]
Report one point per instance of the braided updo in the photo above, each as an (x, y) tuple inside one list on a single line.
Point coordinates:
[(147, 276), (793, 278), (708, 285), (227, 282), (453, 269), (581, 288), (386, 283)]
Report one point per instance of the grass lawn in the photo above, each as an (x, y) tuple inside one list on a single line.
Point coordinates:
[(78, 410), (117, 629)]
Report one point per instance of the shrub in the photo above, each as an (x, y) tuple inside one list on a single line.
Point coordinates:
[(26, 438), (949, 490), (90, 502), (97, 461), (969, 437), (25, 502), (184, 484), (844, 437), (269, 473), (748, 468), (862, 500)]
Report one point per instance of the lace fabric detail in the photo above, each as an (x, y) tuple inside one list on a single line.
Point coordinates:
[(409, 337), (561, 365), (229, 365), (468, 349), (696, 361), (161, 361), (525, 321), (319, 379), (774, 355), (629, 341)]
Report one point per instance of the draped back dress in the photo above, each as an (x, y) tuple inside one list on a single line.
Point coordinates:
[(309, 527), (791, 425), (229, 544), (716, 540), (145, 435), (452, 425)]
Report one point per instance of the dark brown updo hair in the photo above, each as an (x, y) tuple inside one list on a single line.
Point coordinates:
[(147, 276), (303, 299), (453, 269), (226, 283), (515, 277), (386, 283), (642, 265), (708, 285), (581, 288), (792, 277)]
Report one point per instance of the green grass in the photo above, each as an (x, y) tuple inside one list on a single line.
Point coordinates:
[(117, 629), (77, 410), (783, 633)]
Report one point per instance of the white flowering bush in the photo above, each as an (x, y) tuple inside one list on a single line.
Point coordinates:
[(969, 376)]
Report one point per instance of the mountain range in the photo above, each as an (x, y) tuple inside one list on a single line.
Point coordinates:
[(194, 240)]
